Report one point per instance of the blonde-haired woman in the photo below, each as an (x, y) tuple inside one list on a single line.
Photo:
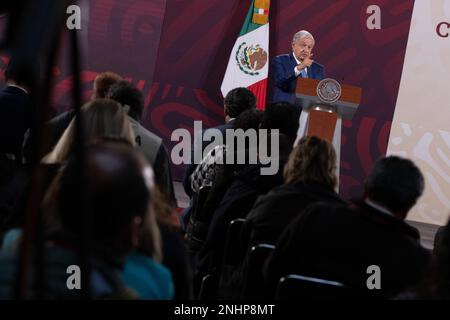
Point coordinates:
[(100, 118), (310, 176)]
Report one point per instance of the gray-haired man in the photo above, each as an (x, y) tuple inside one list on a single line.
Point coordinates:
[(286, 68)]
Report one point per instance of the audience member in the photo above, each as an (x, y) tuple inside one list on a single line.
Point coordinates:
[(341, 243), (151, 145), (236, 101), (216, 173), (100, 118), (246, 186), (56, 126), (16, 116), (112, 193), (310, 176)]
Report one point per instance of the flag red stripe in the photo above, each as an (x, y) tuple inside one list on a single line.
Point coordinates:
[(259, 89)]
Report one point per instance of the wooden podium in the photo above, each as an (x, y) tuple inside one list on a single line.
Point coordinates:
[(324, 104)]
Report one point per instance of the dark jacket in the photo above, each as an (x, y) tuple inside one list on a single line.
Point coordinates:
[(339, 243), (16, 117), (273, 212), (284, 76), (175, 258), (237, 201), (270, 215)]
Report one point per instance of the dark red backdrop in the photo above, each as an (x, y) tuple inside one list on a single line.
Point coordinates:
[(176, 51)]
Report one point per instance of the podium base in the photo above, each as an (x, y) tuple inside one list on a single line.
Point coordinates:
[(330, 129)]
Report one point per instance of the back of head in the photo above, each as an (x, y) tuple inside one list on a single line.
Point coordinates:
[(252, 119), (103, 82), (237, 101), (115, 191), (100, 118), (21, 75), (313, 160), (282, 116), (249, 119), (127, 95), (395, 183), (103, 117)]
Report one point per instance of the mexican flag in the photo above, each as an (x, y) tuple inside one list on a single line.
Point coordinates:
[(248, 65)]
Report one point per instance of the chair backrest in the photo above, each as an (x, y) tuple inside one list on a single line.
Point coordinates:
[(208, 288), (231, 256), (233, 243), (254, 281), (296, 286)]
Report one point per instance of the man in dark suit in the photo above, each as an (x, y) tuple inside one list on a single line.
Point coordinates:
[(16, 112), (16, 117), (286, 68)]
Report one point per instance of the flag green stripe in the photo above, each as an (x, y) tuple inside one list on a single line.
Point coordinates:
[(249, 26)]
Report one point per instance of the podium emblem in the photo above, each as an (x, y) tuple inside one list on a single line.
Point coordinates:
[(329, 90)]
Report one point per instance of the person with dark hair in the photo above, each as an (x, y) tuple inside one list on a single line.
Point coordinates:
[(107, 200), (214, 172), (151, 145), (119, 184), (347, 243), (236, 101), (205, 172), (20, 76), (116, 195), (101, 117), (394, 185), (244, 184), (249, 119), (283, 116), (129, 97), (17, 111), (16, 115)]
